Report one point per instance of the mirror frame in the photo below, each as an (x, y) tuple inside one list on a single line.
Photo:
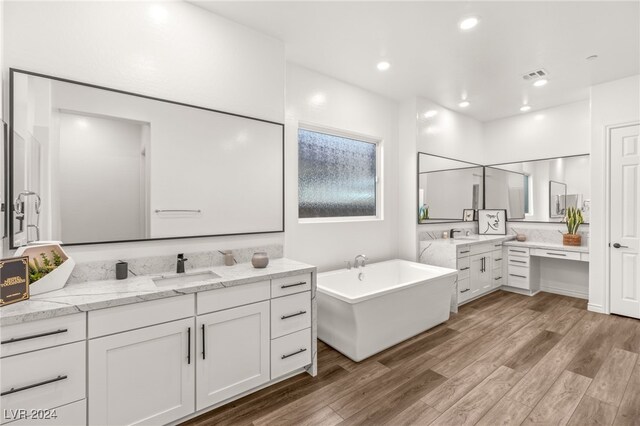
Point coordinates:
[(417, 200), (9, 213)]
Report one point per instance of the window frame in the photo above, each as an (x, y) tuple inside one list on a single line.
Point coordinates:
[(360, 137)]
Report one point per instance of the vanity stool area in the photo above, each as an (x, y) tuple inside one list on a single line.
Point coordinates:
[(143, 354)]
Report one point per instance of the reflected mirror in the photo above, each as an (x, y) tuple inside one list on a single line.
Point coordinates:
[(541, 190), (91, 165), (447, 187)]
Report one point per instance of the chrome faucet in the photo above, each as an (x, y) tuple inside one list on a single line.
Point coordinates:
[(453, 231), (180, 264), (362, 258)]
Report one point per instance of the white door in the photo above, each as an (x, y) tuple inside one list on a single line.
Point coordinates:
[(480, 275), (232, 352), (625, 221), (143, 377)]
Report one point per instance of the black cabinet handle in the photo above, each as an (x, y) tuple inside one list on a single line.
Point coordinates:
[(517, 261), (464, 291), (293, 315), (294, 353), (519, 276), (203, 344), (189, 345), (463, 252), (498, 258), (293, 285), (517, 251), (34, 336), (464, 269), (556, 254), (498, 278), (35, 385)]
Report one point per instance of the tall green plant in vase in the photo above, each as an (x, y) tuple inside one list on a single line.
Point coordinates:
[(573, 219)]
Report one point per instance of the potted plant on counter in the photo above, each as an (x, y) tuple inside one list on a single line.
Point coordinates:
[(49, 267), (573, 218)]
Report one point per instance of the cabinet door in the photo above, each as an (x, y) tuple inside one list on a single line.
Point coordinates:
[(144, 376), (233, 352), (480, 275)]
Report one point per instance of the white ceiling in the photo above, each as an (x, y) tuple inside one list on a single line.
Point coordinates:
[(432, 58)]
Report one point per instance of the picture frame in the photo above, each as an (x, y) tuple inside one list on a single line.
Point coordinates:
[(14, 277), (468, 215), (492, 222)]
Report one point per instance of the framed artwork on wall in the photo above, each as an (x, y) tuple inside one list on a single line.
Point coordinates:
[(468, 215), (492, 222)]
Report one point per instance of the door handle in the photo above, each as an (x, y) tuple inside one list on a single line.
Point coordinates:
[(617, 245)]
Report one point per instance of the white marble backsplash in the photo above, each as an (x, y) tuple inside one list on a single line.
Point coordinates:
[(547, 234), (106, 270), (435, 231)]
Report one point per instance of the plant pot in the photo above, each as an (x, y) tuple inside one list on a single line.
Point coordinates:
[(571, 239), (54, 280)]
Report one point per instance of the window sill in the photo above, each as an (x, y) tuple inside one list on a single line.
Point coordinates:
[(340, 219)]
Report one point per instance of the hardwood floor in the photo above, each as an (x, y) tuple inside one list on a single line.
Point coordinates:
[(504, 359)]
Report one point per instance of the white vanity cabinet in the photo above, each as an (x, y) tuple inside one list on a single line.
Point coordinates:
[(43, 368), (232, 352), (145, 375), (479, 269)]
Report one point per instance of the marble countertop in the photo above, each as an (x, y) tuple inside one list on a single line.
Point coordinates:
[(93, 295), (549, 246), (471, 239)]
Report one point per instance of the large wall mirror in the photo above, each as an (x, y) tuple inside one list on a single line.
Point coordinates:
[(447, 187), (540, 190), (91, 165)]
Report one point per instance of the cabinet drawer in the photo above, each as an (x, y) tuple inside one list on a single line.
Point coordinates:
[(290, 314), (74, 414), (518, 261), (44, 379), (518, 276), (35, 335), (464, 290), (557, 254), (518, 251), (497, 277), (496, 259), (463, 251), (230, 297), (463, 268), (481, 248), (137, 315), (290, 285), (290, 352)]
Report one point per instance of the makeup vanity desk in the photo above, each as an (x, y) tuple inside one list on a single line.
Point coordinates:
[(535, 266)]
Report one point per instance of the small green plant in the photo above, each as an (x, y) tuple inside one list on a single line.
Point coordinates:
[(574, 219), (423, 212), (38, 271)]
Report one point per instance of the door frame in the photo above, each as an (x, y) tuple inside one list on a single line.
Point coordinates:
[(607, 214)]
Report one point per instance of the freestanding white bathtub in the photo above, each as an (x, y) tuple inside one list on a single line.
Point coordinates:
[(395, 300)]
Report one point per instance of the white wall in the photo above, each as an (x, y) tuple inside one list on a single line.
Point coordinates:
[(552, 132), (319, 100), (172, 50), (613, 103)]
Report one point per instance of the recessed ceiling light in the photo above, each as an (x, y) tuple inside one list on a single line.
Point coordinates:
[(541, 82), (431, 113), (464, 104), (525, 108), (468, 23), (383, 65)]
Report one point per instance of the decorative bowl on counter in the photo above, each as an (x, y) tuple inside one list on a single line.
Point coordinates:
[(49, 267)]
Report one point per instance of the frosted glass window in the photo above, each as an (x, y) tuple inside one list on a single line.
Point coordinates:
[(336, 176)]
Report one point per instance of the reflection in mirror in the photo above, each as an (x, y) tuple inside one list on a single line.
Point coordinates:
[(540, 190), (95, 165), (447, 187)]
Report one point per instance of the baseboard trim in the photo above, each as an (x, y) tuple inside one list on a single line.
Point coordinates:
[(564, 292), (592, 307), (519, 290)]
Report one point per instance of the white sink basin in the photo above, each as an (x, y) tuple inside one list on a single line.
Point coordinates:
[(184, 278)]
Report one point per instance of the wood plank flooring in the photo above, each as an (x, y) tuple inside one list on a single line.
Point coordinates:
[(504, 359)]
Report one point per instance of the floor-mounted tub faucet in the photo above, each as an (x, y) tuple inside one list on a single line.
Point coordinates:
[(361, 258), (180, 264)]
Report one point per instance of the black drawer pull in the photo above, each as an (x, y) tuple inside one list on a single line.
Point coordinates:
[(556, 254), (517, 261), (463, 252), (464, 291), (35, 385), (498, 258), (293, 285), (498, 278), (189, 345), (35, 336), (464, 269), (204, 345), (293, 315), (517, 251), (294, 353), (497, 245), (519, 276)]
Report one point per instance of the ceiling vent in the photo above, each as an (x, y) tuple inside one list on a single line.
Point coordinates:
[(534, 75)]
